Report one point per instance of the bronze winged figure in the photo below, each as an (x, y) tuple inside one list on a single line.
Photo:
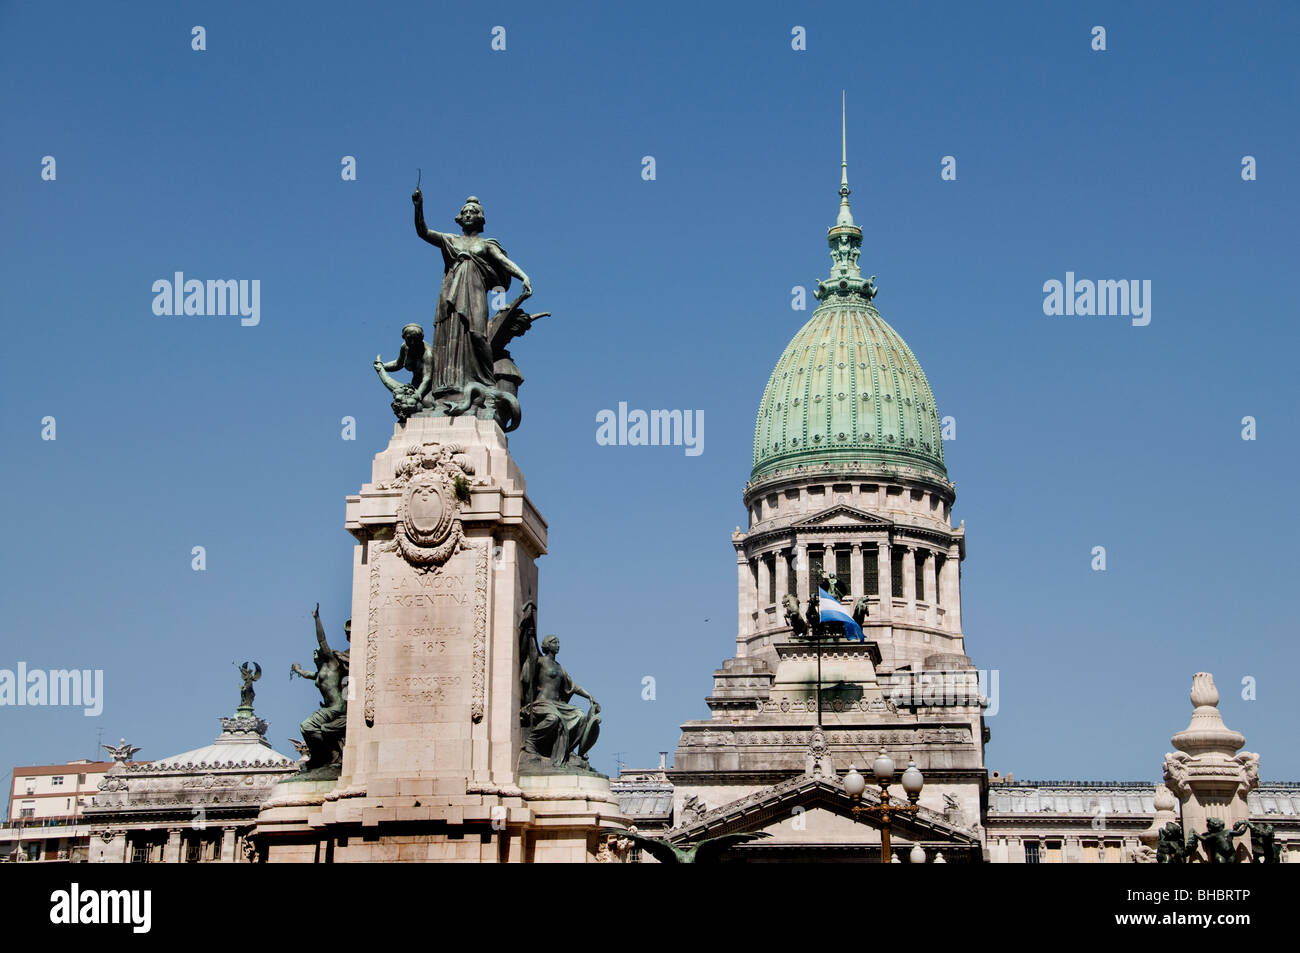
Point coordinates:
[(707, 851)]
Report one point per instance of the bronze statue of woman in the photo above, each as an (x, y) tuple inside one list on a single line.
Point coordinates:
[(473, 266)]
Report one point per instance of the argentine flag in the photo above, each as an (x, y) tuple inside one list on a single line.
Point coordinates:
[(832, 611)]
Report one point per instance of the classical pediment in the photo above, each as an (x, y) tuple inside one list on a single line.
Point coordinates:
[(841, 514), (825, 813)]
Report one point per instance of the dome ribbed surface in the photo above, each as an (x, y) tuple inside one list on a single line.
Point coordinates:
[(848, 391)]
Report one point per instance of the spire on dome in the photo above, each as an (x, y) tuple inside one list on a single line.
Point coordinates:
[(845, 237), (846, 214)]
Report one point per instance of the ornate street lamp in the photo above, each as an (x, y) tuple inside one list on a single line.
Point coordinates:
[(883, 770)]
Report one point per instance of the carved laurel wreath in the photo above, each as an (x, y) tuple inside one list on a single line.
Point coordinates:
[(429, 530)]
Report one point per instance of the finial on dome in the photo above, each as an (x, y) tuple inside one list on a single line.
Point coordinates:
[(846, 215), (845, 237)]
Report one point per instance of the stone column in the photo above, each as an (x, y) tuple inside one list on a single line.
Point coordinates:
[(885, 573), (857, 583), (952, 588), (931, 592), (909, 580), (227, 855), (782, 577), (801, 570), (764, 586), (172, 849), (747, 591)]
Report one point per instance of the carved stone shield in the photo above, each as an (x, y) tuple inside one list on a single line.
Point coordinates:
[(428, 523), (425, 510)]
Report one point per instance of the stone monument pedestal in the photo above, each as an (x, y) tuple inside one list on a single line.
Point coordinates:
[(443, 567), (291, 821), (568, 813)]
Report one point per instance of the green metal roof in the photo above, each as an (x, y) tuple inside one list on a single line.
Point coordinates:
[(847, 391)]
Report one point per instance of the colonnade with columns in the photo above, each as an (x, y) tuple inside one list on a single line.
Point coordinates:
[(764, 574)]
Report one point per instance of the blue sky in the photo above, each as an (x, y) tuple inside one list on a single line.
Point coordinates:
[(1074, 432)]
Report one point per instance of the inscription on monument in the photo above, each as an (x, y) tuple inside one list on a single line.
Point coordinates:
[(425, 623)]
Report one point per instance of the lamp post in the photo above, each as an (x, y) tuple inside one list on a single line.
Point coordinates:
[(883, 770)]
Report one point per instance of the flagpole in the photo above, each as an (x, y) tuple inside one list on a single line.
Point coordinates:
[(819, 680)]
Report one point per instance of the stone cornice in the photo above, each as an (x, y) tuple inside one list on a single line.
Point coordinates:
[(1001, 821), (142, 814), (895, 533), (802, 476), (681, 778)]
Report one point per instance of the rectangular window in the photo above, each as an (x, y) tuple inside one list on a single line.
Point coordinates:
[(791, 576), (896, 571), (870, 571), (1031, 852), (56, 780), (27, 812), (770, 562), (920, 575), (81, 779), (938, 578), (844, 568), (140, 854)]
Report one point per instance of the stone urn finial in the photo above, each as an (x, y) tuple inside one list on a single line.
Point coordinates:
[(1206, 732), (1203, 691), (1164, 799), (1164, 804)]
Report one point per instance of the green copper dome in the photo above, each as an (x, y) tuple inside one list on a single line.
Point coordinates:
[(847, 390)]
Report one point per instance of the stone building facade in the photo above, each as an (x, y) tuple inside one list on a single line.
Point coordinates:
[(194, 807), (1088, 822), (848, 479)]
